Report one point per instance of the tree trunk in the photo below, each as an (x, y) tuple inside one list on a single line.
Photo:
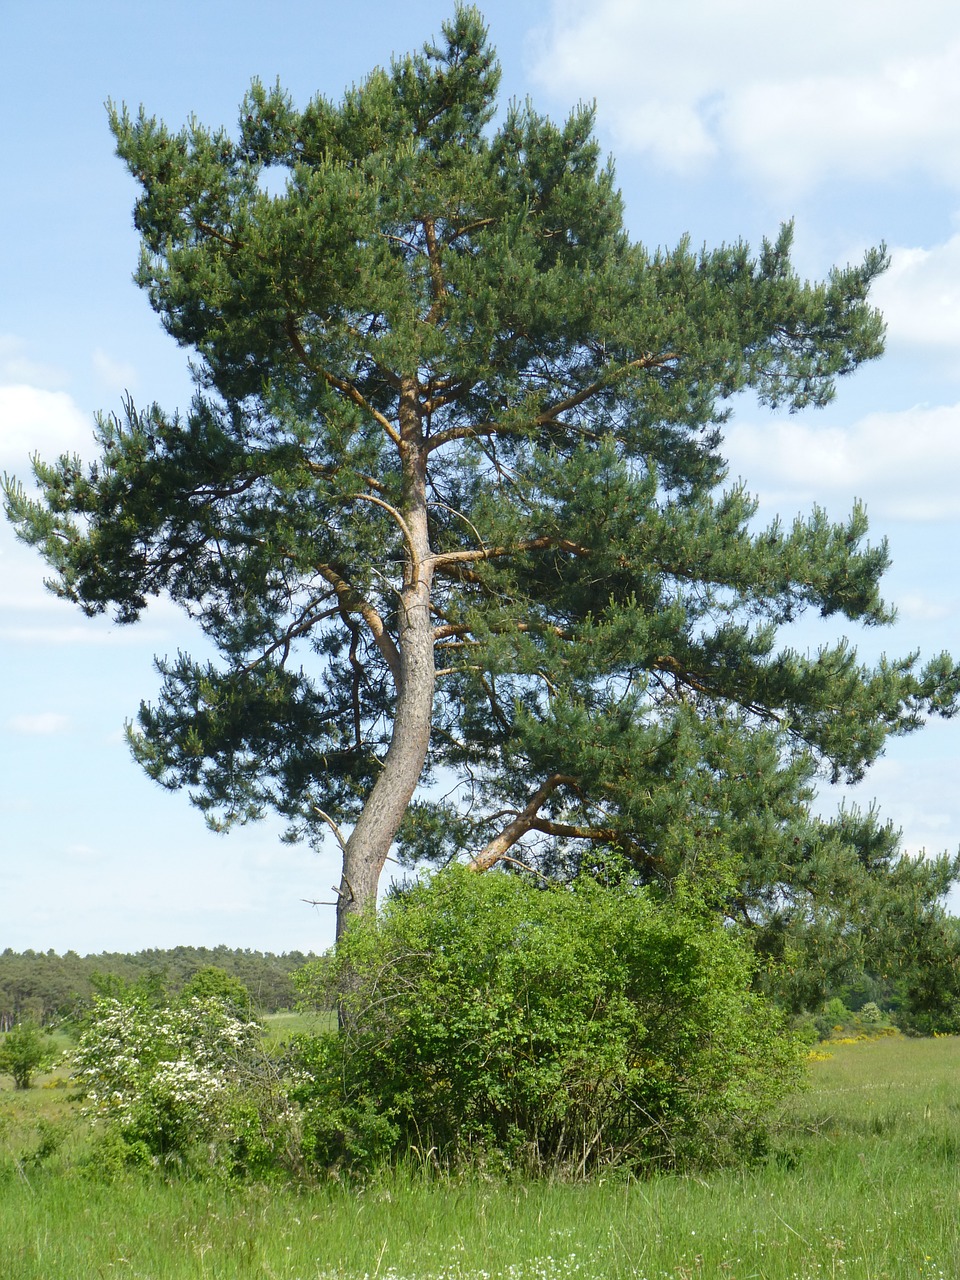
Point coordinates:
[(369, 843)]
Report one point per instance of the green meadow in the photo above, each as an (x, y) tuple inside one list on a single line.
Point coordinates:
[(862, 1180)]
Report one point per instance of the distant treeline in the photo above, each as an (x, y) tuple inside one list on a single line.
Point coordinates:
[(45, 987)]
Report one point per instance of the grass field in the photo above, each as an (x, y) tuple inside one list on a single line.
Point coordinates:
[(863, 1182), (281, 1026)]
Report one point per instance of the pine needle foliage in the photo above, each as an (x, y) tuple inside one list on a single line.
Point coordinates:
[(450, 504)]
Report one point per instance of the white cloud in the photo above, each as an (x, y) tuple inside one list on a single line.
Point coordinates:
[(33, 420), (918, 792), (21, 575), (31, 615), (903, 465), (44, 723), (898, 115), (920, 296), (863, 87)]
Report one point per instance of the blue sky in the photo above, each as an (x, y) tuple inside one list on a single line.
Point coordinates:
[(725, 117)]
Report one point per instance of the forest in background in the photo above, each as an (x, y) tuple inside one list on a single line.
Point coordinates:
[(45, 987)]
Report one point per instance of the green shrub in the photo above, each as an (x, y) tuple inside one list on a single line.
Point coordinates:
[(214, 983), (805, 1027), (25, 1051), (836, 1021), (542, 1029)]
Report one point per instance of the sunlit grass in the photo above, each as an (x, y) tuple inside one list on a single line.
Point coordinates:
[(863, 1181), (280, 1027)]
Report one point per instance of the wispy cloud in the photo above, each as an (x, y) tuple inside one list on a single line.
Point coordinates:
[(918, 607), (115, 375), (688, 82), (16, 365), (89, 632), (916, 800), (32, 615), (903, 465), (21, 575), (82, 851), (44, 723)]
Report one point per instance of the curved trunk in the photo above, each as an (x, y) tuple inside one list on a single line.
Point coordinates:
[(369, 844)]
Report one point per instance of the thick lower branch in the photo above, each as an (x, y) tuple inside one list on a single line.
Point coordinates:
[(571, 831), (450, 559), (496, 850)]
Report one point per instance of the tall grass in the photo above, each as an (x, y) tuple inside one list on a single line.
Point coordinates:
[(863, 1181)]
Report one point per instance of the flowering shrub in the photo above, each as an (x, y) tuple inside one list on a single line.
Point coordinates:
[(173, 1081)]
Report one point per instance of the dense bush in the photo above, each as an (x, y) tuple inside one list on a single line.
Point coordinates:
[(561, 1029)]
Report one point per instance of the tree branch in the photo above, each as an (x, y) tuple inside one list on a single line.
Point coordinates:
[(666, 662), (395, 514), (339, 384), (319, 469), (496, 850), (460, 629), (301, 627), (445, 559), (437, 281), (574, 832), (208, 230), (549, 416), (339, 837), (353, 602), (459, 516), (580, 397), (467, 432), (357, 680), (465, 230)]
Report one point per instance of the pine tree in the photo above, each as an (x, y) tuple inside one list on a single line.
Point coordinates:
[(451, 506)]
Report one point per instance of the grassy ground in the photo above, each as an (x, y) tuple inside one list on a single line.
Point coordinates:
[(281, 1026), (864, 1182)]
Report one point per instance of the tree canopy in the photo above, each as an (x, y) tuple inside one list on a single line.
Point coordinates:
[(450, 505)]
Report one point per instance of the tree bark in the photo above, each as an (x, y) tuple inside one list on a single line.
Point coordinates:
[(369, 844)]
